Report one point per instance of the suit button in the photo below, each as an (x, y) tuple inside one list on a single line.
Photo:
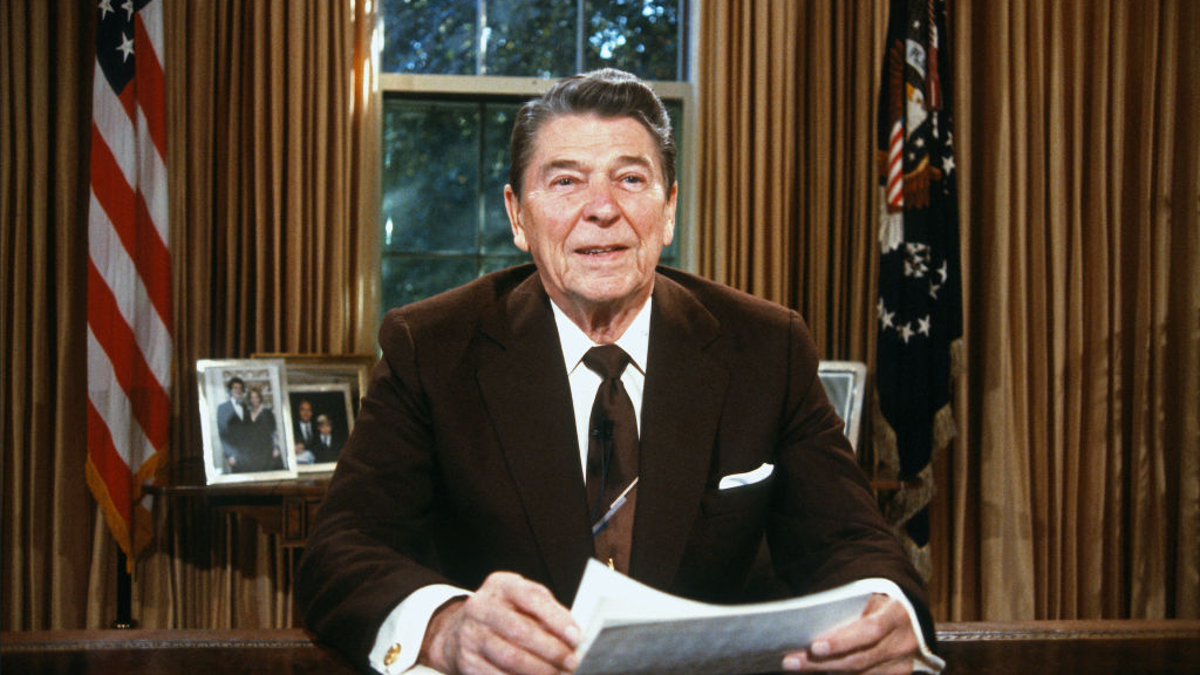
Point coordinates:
[(393, 654)]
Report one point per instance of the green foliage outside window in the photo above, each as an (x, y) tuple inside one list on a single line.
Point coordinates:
[(539, 38)]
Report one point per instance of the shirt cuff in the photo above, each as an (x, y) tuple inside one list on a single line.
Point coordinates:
[(398, 642), (926, 661)]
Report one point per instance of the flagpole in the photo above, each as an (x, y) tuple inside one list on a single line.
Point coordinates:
[(124, 594)]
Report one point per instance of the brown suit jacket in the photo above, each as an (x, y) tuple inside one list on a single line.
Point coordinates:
[(464, 459)]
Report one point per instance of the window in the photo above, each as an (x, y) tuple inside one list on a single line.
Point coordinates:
[(455, 73)]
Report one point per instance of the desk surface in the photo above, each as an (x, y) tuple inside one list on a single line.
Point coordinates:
[(1091, 647)]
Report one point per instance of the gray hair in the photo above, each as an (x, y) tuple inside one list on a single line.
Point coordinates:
[(608, 93)]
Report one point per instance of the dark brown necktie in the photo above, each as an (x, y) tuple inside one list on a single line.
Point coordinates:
[(612, 464)]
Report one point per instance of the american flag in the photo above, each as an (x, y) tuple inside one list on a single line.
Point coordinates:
[(129, 268)]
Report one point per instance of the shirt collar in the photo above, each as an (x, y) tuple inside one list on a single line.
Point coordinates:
[(575, 343)]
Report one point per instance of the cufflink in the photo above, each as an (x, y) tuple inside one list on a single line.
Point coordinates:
[(392, 655)]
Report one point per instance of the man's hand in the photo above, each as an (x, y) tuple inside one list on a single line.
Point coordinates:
[(881, 642), (511, 625)]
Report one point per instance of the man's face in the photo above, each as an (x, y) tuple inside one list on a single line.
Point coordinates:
[(594, 214), (235, 391), (305, 411)]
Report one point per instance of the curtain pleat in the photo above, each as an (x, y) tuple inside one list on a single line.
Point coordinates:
[(1082, 309), (45, 118), (787, 166)]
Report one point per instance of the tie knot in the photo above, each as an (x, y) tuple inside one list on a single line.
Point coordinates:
[(607, 360)]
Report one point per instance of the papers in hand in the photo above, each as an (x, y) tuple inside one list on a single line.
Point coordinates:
[(630, 628)]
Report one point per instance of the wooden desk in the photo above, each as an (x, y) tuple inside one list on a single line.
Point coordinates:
[(167, 652), (1083, 647), (1071, 647)]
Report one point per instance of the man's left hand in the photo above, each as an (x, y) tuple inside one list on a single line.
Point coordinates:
[(880, 642)]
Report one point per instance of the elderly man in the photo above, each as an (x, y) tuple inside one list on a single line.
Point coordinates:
[(592, 404)]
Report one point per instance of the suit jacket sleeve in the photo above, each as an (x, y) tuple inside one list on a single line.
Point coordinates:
[(826, 529), (368, 549)]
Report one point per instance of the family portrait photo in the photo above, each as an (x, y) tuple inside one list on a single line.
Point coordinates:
[(246, 421), (322, 418)]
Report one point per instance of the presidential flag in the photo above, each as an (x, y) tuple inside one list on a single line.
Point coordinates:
[(129, 269), (919, 308)]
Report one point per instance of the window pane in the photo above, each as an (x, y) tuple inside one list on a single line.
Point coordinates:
[(530, 38), (670, 254), (493, 263), (527, 38), (640, 36), (407, 279), (430, 175), (429, 36), (498, 122)]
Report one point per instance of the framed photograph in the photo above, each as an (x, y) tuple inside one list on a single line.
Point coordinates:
[(353, 370), (245, 420), (322, 420), (845, 383)]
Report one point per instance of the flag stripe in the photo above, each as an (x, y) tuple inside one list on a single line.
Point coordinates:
[(113, 406), (154, 189), (128, 218), (151, 20), (153, 186), (126, 285), (109, 181), (150, 78), (149, 403), (153, 261), (110, 122), (108, 462), (895, 186), (128, 101)]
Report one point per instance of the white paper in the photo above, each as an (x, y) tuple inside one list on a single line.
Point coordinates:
[(630, 628)]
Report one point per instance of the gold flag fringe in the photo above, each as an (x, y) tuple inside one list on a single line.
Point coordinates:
[(915, 492)]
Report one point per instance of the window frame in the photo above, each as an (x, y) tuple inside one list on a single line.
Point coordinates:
[(500, 88)]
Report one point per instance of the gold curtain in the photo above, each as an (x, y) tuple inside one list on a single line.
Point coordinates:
[(45, 118), (786, 177), (1077, 487), (1072, 490), (272, 158)]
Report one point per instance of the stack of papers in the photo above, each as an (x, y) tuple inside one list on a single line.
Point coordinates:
[(630, 628)]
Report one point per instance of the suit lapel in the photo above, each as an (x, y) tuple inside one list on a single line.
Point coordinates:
[(681, 406), (528, 399)]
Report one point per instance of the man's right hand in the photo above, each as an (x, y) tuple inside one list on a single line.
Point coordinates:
[(510, 626)]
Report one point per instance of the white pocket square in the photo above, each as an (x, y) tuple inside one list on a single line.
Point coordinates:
[(758, 475)]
